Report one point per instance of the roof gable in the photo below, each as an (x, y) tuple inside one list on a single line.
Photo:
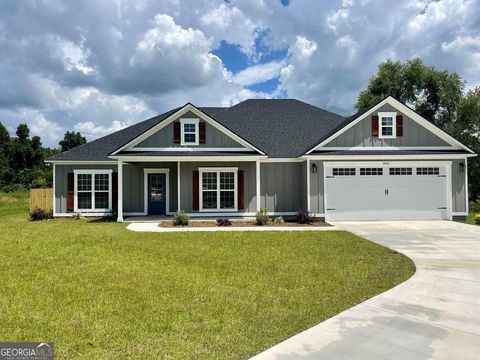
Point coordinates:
[(423, 133), (183, 111)]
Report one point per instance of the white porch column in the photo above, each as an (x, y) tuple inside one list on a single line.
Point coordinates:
[(120, 192), (257, 174), (308, 184), (178, 185)]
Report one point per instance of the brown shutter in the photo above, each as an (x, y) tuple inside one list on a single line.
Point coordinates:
[(240, 182), (70, 191), (195, 190), (201, 131), (115, 192), (399, 125), (375, 125), (176, 132)]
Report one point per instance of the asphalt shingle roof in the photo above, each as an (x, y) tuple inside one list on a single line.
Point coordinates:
[(278, 127)]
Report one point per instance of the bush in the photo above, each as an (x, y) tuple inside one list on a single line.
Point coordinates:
[(40, 214), (278, 220), (303, 217), (181, 218), (475, 206), (261, 218), (224, 222), (477, 219)]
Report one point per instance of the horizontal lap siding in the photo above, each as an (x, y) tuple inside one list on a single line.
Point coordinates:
[(186, 185), (283, 186), (360, 135)]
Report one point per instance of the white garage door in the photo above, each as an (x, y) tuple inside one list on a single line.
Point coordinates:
[(391, 192)]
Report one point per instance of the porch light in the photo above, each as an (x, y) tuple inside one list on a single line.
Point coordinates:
[(314, 168), (462, 167)]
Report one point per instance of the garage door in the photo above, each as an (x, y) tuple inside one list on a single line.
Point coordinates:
[(391, 192)]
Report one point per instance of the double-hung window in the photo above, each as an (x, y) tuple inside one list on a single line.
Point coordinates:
[(387, 122), (189, 131), (93, 190), (218, 189)]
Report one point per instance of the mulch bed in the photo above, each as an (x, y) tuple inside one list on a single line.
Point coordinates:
[(240, 223)]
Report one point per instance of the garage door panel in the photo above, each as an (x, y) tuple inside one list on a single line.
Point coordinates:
[(386, 196)]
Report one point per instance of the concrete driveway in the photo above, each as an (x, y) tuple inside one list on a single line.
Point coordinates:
[(435, 314)]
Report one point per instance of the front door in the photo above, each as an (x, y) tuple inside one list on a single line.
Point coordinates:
[(156, 194)]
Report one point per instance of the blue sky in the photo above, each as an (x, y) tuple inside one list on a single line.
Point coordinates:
[(97, 67)]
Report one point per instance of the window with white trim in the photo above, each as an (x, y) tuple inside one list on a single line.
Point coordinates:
[(218, 189), (189, 131), (93, 190), (387, 125)]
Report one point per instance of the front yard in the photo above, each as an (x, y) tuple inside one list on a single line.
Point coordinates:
[(100, 291)]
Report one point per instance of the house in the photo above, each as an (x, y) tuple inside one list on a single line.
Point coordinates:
[(384, 162)]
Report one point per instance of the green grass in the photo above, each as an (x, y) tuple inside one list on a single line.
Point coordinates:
[(100, 291)]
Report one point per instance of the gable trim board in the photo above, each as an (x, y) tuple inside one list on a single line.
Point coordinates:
[(405, 110), (186, 108), (192, 149)]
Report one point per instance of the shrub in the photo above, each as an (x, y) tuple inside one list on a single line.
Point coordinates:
[(303, 217), (40, 214), (224, 222), (261, 218), (475, 206), (278, 220), (477, 219), (181, 218)]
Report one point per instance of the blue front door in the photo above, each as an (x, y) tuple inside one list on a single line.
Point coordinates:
[(156, 194)]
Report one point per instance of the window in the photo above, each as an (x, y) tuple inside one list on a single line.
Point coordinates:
[(218, 189), (387, 122), (428, 171), (400, 171), (189, 131), (93, 190), (343, 171), (371, 171)]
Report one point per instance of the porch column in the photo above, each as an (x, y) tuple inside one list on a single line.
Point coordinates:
[(178, 185), (120, 192), (257, 174), (308, 184)]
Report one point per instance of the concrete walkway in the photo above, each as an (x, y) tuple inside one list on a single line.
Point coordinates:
[(433, 315), (153, 227)]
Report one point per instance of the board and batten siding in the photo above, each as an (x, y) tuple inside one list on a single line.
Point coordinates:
[(317, 189), (186, 185), (133, 184), (283, 186), (61, 182), (360, 135), (459, 187), (214, 138)]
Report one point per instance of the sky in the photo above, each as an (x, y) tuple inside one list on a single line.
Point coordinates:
[(99, 66)]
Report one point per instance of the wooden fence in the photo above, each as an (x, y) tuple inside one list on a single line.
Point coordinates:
[(41, 199)]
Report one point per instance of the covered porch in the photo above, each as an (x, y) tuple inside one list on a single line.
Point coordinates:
[(153, 188)]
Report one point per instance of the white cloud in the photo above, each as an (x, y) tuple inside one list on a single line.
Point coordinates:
[(258, 73), (90, 130), (303, 48)]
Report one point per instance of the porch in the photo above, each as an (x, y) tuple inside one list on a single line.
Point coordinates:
[(150, 191)]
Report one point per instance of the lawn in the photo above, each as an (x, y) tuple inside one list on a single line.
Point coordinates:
[(101, 292)]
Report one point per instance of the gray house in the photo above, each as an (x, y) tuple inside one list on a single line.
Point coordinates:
[(385, 162)]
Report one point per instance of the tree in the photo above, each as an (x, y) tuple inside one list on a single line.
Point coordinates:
[(436, 95), (433, 93), (4, 135), (23, 132), (72, 139)]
